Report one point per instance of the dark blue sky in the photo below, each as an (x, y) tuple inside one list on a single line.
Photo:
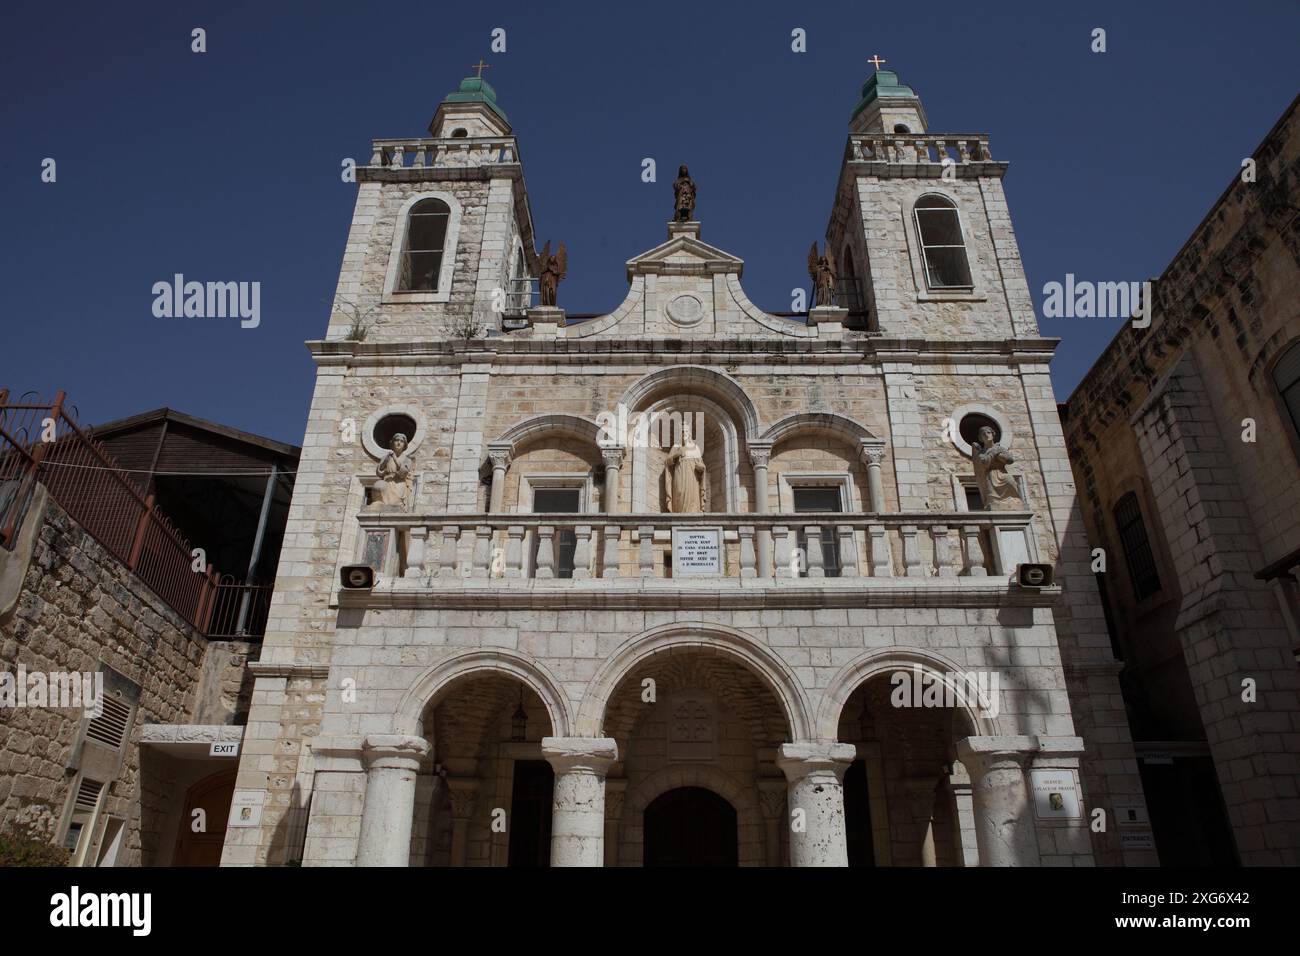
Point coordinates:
[(225, 166)]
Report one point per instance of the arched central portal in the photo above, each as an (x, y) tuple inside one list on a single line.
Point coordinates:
[(690, 826)]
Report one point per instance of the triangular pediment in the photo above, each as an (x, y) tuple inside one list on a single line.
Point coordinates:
[(684, 254)]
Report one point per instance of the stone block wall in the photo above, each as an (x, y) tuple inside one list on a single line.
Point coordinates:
[(80, 607)]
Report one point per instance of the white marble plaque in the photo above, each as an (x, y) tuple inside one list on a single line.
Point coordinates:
[(1056, 795), (697, 552)]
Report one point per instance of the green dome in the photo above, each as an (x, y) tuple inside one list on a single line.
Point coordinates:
[(475, 89), (882, 84)]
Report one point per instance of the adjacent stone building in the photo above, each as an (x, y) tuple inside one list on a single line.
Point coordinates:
[(550, 666), (123, 678), (1184, 440)]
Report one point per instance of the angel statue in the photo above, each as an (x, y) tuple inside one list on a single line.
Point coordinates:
[(997, 487), (393, 489), (683, 196), (553, 270), (822, 270)]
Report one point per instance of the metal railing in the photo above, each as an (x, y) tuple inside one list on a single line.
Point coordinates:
[(40, 442), (237, 609)]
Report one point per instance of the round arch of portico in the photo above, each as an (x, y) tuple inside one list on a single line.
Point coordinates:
[(698, 378), (842, 426), (696, 638), (749, 818), (530, 429), (435, 682), (879, 663)]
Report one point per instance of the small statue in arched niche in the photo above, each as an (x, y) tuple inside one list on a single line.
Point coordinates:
[(393, 490), (998, 488)]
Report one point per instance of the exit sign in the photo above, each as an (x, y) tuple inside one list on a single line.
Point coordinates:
[(228, 749)]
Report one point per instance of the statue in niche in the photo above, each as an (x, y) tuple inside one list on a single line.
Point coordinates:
[(822, 271), (686, 480), (998, 488), (553, 270), (683, 196), (393, 489)]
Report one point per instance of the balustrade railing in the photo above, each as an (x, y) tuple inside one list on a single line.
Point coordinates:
[(456, 151), (484, 547), (958, 148)]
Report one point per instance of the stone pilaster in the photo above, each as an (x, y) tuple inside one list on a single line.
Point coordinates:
[(815, 776), (578, 808)]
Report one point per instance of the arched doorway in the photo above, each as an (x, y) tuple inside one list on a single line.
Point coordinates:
[(690, 826), (212, 795), (484, 797)]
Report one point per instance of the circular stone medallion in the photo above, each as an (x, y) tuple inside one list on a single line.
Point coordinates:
[(685, 310)]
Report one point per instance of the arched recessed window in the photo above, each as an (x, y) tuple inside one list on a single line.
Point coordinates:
[(900, 128), (1286, 376), (459, 132), (943, 249), (1137, 547), (426, 234)]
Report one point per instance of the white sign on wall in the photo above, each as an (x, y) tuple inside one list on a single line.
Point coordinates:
[(246, 808), (228, 748), (1056, 795), (697, 552)]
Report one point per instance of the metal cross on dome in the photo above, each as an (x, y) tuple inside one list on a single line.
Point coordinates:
[(875, 60), (481, 66)]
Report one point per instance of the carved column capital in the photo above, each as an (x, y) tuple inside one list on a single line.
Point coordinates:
[(393, 751), (500, 454), (760, 455), (613, 455), (873, 454)]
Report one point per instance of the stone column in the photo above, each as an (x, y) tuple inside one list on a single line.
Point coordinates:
[(873, 456), (921, 791), (815, 776), (578, 810), (500, 456), (462, 795), (1004, 813), (392, 762), (613, 463), (760, 455)]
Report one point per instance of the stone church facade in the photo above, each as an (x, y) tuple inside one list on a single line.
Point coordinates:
[(550, 666)]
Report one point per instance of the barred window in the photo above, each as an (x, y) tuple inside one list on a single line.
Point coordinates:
[(943, 249), (1137, 548), (426, 234), (1286, 376)]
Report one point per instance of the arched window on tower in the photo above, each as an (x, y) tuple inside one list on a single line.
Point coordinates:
[(943, 249), (426, 235), (1286, 376)]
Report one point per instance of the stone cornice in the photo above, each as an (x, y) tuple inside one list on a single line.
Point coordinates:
[(614, 351), (741, 594)]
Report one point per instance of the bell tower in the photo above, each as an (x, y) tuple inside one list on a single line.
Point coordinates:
[(921, 228)]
